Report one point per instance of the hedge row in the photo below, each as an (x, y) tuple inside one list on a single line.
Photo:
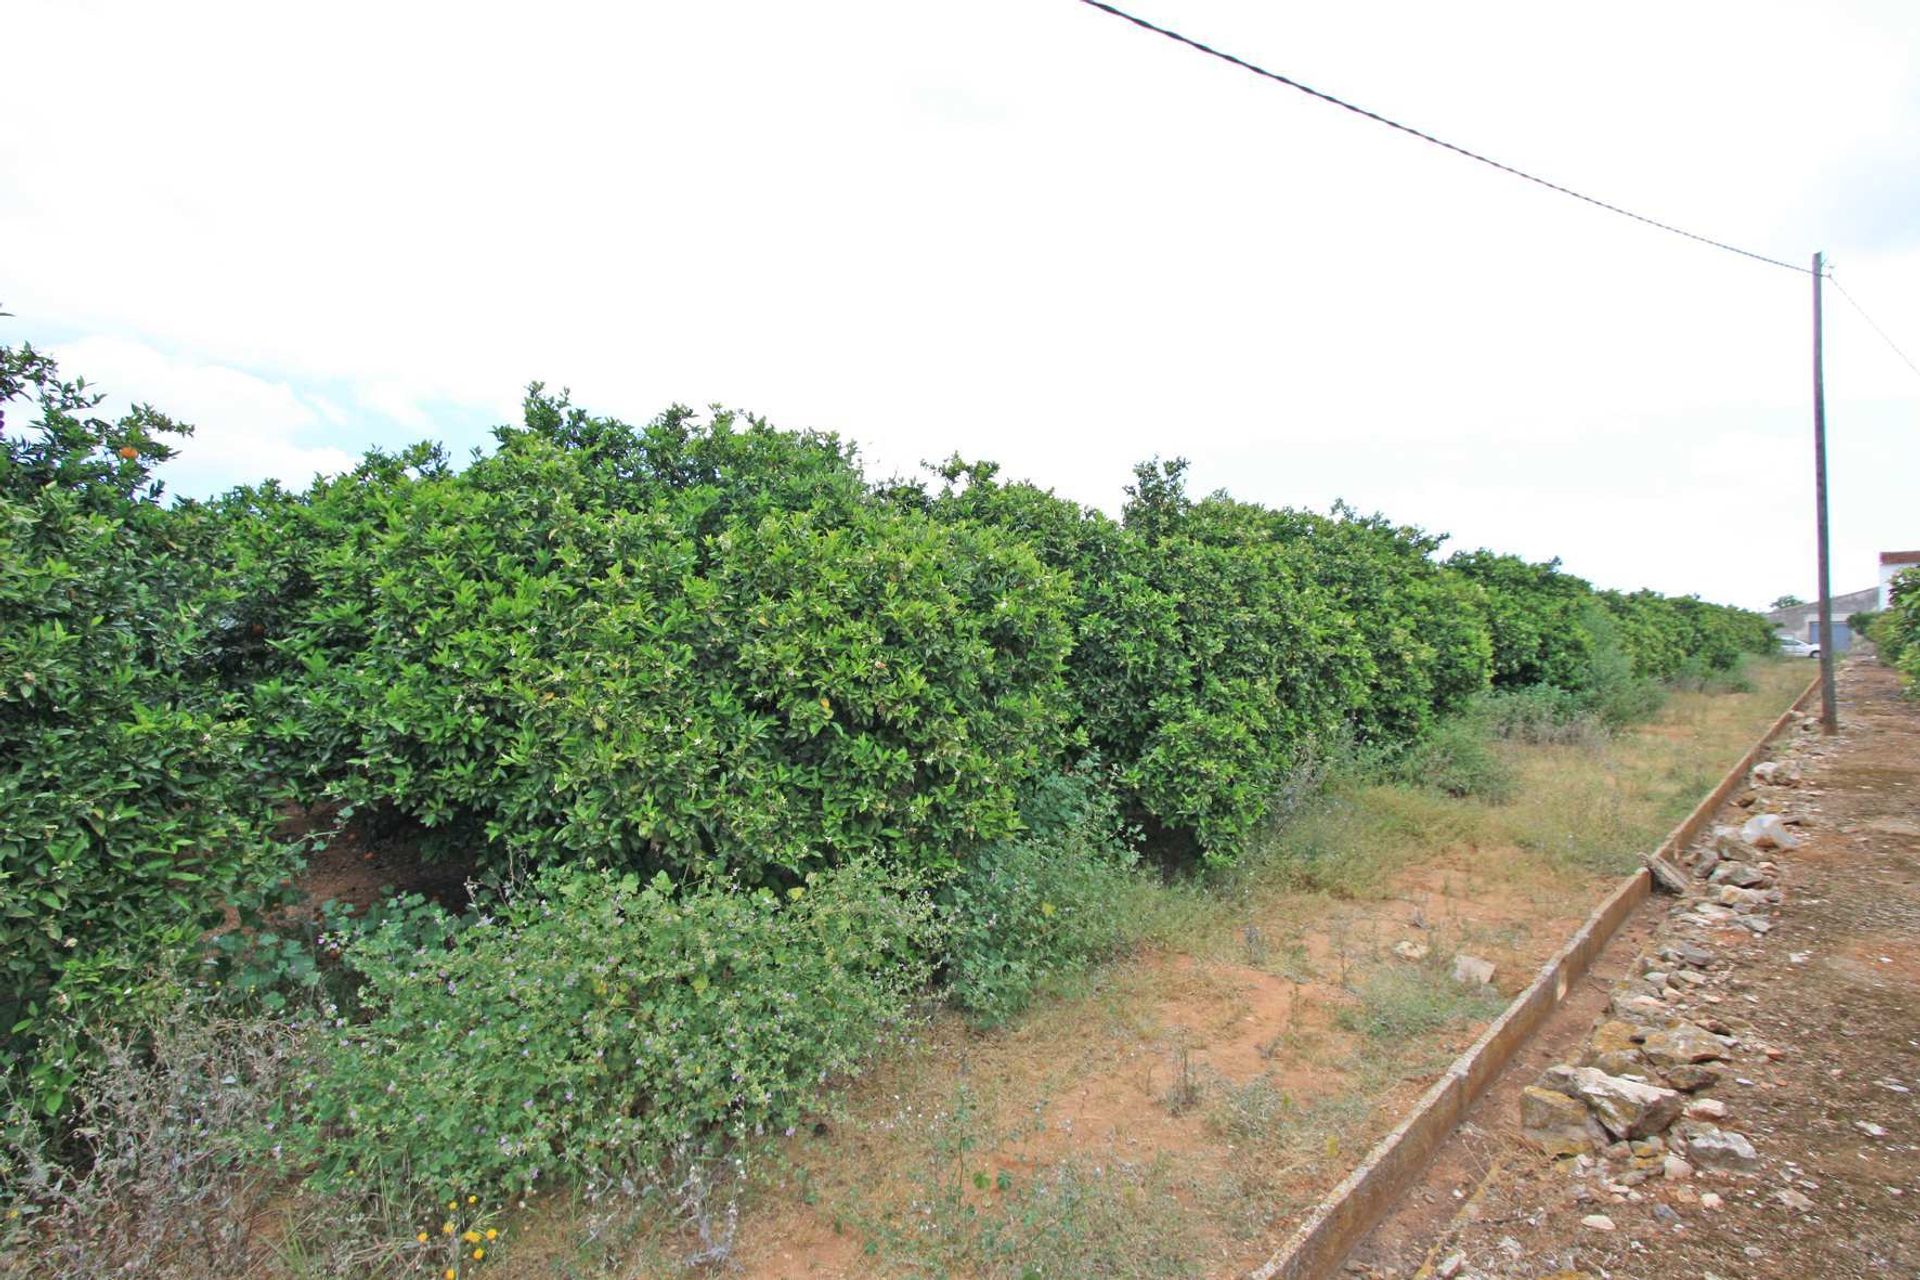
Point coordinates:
[(709, 648), (714, 648), (1896, 632)]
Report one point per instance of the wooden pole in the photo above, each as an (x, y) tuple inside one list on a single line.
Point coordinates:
[(1829, 714)]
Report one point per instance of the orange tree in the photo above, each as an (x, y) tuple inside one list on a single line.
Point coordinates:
[(130, 807)]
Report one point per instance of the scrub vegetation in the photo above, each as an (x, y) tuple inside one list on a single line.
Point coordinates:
[(747, 761), (1896, 631)]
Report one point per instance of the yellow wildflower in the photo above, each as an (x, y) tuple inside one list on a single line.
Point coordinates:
[(446, 1228), (473, 1199), (492, 1234), (471, 1237), (422, 1237), (479, 1254)]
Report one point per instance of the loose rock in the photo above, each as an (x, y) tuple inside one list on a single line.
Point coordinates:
[(1706, 1109), (1681, 1044), (1627, 1108), (1767, 831), (1693, 1077), (1742, 875), (1722, 1150), (1472, 970), (1557, 1124)]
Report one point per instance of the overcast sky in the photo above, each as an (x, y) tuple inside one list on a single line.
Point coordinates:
[(1022, 230)]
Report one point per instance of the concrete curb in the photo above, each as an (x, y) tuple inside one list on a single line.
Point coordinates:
[(1321, 1243)]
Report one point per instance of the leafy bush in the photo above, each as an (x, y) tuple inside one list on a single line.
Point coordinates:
[(1457, 758), (514, 661), (1608, 683), (1534, 613), (131, 808), (1896, 632), (1216, 641), (1039, 904), (1537, 713), (601, 1027)]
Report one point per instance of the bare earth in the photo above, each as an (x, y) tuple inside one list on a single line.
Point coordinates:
[(1833, 991)]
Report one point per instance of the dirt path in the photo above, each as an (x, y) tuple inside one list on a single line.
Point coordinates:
[(1824, 1074)]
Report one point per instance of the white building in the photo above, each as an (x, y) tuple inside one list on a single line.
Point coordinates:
[(1891, 563)]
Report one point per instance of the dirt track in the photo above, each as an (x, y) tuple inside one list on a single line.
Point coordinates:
[(1833, 991)]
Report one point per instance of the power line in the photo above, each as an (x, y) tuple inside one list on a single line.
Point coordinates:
[(1438, 142), (1884, 337)]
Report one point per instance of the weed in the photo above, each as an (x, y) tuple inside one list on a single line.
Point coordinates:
[(1456, 758), (1096, 1214), (1183, 1095), (166, 1182), (1255, 944), (1250, 1112), (1400, 1002)]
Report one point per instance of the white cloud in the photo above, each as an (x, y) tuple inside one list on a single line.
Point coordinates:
[(1032, 233), (246, 428)]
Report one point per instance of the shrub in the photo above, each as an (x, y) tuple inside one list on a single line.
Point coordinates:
[(1608, 683), (601, 1028), (1534, 613), (1216, 641), (165, 1182), (1456, 757), (1539, 714), (131, 809), (1040, 904), (1896, 633), (532, 672)]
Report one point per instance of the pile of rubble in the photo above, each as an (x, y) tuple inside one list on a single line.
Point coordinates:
[(1639, 1104)]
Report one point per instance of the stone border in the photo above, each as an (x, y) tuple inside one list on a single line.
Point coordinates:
[(1348, 1212)]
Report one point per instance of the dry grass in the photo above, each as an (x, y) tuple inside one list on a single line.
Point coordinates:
[(1179, 1109)]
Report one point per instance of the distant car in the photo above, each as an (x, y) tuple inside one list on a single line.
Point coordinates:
[(1794, 647)]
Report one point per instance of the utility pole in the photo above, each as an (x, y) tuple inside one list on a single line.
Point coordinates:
[(1829, 714)]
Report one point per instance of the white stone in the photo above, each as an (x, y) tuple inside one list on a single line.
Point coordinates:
[(1722, 1149), (1472, 970), (1768, 831)]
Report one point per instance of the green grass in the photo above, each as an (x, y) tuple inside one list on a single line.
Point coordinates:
[(1401, 1001)]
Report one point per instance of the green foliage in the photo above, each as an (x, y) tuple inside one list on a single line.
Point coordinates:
[(1457, 758), (131, 810), (1216, 641), (1400, 1001), (601, 1027), (1537, 713), (561, 652), (1609, 684), (1534, 614), (1896, 632), (1039, 904), (1668, 637)]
